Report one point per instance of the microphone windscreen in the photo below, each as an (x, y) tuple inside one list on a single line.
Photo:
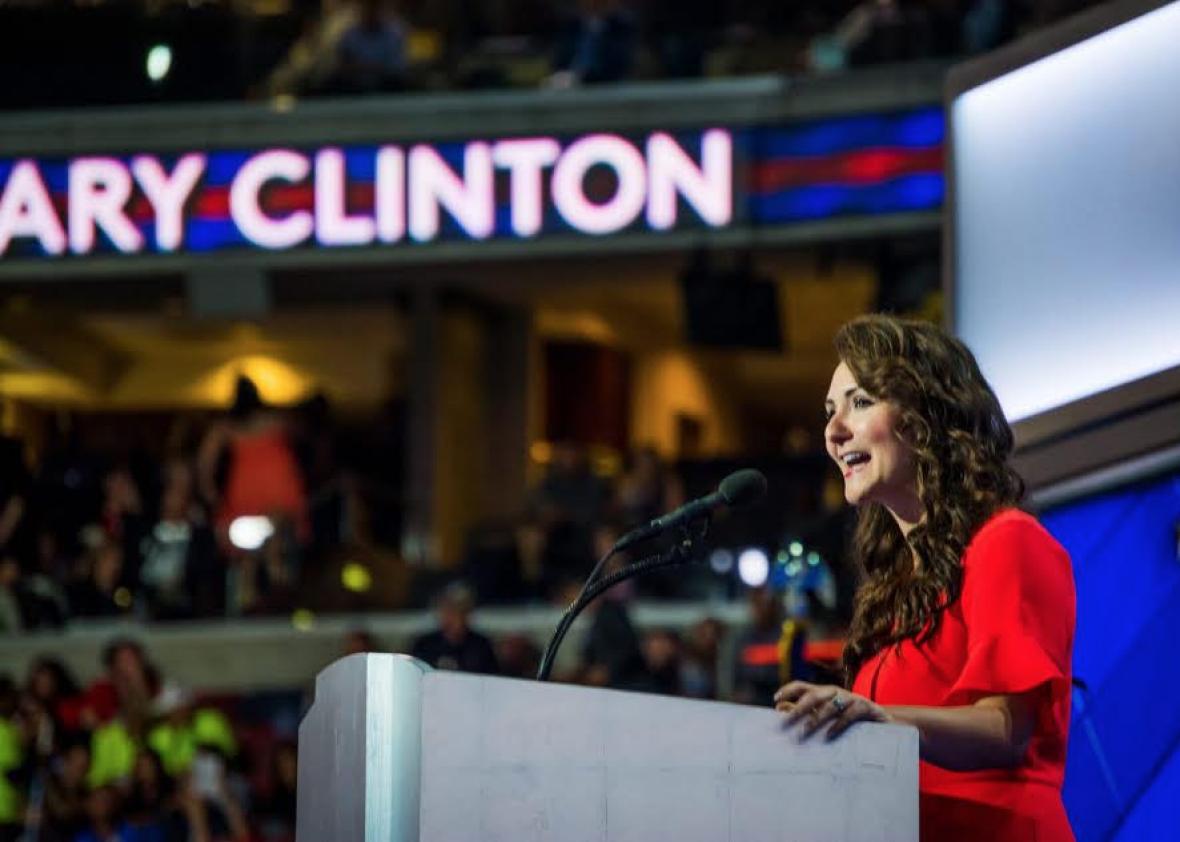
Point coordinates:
[(741, 488)]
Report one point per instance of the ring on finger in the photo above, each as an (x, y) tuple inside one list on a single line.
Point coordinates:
[(839, 703)]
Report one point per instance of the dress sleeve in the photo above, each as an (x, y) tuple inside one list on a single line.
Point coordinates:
[(1018, 608)]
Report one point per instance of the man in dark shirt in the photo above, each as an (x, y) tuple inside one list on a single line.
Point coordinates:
[(456, 646)]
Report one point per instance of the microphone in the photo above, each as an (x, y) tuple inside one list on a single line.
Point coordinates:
[(741, 488)]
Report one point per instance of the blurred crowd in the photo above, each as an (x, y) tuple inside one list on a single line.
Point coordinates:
[(134, 758), (216, 524), (705, 660), (236, 518), (572, 517), (94, 53), (259, 510)]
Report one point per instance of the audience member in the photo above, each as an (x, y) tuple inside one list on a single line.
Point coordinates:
[(46, 602), (274, 811), (371, 54), (12, 599), (122, 704), (123, 521), (67, 487), (214, 812), (987, 24), (181, 576), (127, 687), (252, 450), (13, 743), (596, 45), (519, 656), (663, 657), (611, 652), (567, 505), (98, 590), (331, 488), (757, 657), (455, 645), (64, 814), (183, 730), (15, 522), (103, 815), (647, 489), (113, 750), (359, 641), (152, 809), (682, 32), (493, 563), (699, 664), (875, 31), (52, 691)]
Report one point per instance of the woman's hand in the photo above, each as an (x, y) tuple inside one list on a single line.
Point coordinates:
[(825, 704)]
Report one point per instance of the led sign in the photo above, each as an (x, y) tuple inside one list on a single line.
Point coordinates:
[(522, 189), (595, 184)]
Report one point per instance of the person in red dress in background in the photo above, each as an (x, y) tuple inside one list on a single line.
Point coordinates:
[(260, 476), (963, 624)]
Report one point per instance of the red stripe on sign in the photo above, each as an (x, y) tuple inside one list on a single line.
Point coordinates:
[(766, 654), (823, 650), (760, 655), (865, 166)]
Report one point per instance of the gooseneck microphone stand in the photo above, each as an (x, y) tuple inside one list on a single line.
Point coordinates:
[(681, 552)]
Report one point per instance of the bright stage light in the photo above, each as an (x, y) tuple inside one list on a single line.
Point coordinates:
[(159, 62), (356, 577), (753, 567), (721, 560), (249, 532)]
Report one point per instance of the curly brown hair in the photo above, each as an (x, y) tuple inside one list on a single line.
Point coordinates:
[(951, 420)]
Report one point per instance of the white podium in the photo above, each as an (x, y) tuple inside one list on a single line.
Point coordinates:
[(393, 751)]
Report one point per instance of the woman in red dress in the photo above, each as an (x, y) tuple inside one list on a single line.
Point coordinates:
[(262, 476), (963, 625)]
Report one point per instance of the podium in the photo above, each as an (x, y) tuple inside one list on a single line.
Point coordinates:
[(393, 751)]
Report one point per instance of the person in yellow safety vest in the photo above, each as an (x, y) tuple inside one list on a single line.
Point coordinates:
[(185, 728), (112, 754), (12, 756)]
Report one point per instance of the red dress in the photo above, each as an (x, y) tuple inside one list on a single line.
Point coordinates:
[(264, 479), (1010, 632)]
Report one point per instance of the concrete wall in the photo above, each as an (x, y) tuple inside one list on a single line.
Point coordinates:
[(246, 656)]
